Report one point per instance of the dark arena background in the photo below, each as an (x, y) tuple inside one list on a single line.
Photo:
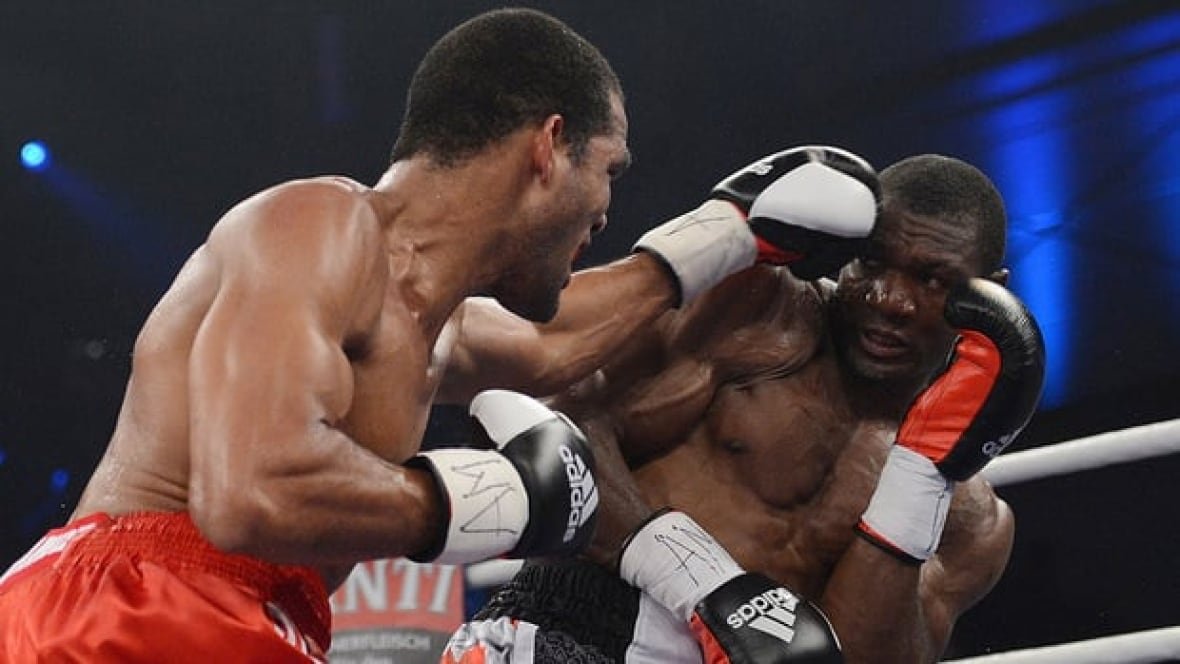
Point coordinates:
[(154, 117)]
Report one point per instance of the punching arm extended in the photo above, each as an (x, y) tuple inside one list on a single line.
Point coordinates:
[(600, 310), (808, 208)]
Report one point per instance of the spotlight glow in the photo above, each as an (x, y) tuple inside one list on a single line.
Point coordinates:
[(34, 156)]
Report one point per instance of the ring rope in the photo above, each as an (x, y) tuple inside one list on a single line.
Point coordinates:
[(1105, 449), (1156, 645)]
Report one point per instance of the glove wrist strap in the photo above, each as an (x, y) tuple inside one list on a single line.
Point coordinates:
[(675, 561), (909, 507), (702, 247), (487, 504)]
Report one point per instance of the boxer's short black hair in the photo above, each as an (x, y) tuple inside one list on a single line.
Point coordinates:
[(937, 185), (501, 71)]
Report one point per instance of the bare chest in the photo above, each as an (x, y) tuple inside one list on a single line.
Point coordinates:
[(395, 379), (779, 471)]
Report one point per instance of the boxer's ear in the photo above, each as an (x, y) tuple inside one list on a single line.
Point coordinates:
[(548, 139)]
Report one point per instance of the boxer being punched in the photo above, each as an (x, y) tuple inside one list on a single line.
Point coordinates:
[(809, 438), (280, 388)]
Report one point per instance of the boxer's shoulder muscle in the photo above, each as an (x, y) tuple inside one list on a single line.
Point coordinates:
[(327, 231), (756, 320), (296, 236), (319, 214)]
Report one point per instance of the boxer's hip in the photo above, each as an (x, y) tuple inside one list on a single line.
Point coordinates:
[(581, 612), (150, 584)]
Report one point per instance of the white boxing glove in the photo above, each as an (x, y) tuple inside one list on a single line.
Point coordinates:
[(808, 208)]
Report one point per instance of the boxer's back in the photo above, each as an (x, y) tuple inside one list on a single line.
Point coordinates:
[(146, 464)]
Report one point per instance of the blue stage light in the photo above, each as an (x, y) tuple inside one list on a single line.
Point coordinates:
[(1030, 159), (59, 480), (35, 156)]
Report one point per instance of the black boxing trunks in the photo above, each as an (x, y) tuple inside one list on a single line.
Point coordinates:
[(575, 612)]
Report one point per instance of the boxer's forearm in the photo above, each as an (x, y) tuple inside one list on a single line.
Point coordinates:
[(886, 609), (877, 610), (601, 310), (338, 504)]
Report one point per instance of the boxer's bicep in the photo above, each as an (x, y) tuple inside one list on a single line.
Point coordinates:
[(261, 374), (267, 370)]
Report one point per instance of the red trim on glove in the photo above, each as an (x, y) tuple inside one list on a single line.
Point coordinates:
[(711, 649), (868, 534), (944, 410), (768, 253)]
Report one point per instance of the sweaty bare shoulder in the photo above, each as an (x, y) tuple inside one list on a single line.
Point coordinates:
[(323, 206), (322, 233), (307, 246)]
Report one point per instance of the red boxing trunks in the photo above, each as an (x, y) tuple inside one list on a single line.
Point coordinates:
[(149, 588)]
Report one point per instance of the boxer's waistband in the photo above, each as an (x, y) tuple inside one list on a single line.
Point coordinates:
[(582, 599), (172, 540)]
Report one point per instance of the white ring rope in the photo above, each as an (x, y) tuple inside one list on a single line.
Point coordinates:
[(1157, 645), (1105, 449)]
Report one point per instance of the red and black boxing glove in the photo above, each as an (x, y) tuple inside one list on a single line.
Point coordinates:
[(967, 416)]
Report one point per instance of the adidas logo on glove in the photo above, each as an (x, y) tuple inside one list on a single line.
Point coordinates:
[(993, 448), (771, 612), (583, 493)]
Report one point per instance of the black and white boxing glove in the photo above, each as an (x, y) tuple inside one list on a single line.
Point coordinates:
[(533, 494), (736, 616), (808, 208), (968, 415)]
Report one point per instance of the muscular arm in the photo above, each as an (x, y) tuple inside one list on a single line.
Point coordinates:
[(601, 309), (271, 474), (758, 322), (885, 610)]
